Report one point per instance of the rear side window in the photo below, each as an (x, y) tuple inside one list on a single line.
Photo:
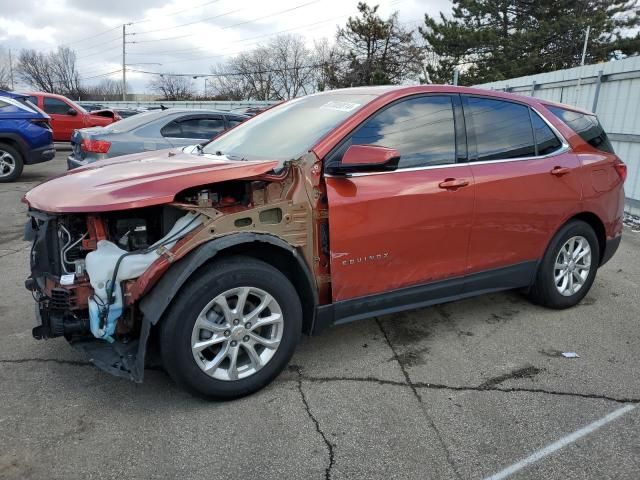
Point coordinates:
[(587, 126), (502, 129), (422, 129), (3, 104), (546, 140), (195, 128)]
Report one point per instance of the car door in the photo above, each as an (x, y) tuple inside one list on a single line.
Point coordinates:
[(62, 121), (190, 130), (525, 179), (410, 226)]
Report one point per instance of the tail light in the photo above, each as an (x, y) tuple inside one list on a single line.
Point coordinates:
[(41, 122), (621, 168), (94, 146)]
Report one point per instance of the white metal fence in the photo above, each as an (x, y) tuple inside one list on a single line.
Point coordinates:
[(215, 105), (612, 90)]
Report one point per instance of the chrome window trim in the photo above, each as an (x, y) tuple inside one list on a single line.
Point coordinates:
[(563, 149)]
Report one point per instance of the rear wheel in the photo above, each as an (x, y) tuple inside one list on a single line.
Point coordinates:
[(568, 268), (11, 163), (232, 329)]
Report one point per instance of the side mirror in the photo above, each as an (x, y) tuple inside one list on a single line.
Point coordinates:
[(72, 111), (368, 158)]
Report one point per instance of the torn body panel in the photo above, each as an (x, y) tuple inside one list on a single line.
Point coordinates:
[(129, 264)]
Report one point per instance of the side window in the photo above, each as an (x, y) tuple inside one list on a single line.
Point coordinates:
[(546, 140), (196, 128), (233, 121), (171, 129), (33, 100), (422, 129), (55, 106), (587, 126), (502, 129)]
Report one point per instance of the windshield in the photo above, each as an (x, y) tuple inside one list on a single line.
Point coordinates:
[(289, 130), (135, 121)]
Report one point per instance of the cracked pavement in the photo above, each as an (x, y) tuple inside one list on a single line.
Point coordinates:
[(457, 391)]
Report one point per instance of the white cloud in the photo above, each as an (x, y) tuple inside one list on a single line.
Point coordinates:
[(215, 30)]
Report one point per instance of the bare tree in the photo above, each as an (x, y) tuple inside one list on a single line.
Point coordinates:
[(5, 70), (228, 87), (54, 72), (292, 66), (280, 70), (65, 71), (327, 59), (107, 89), (34, 68), (172, 87)]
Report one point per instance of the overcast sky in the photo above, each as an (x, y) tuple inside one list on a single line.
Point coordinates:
[(185, 36)]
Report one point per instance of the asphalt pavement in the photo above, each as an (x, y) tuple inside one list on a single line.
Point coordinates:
[(464, 390)]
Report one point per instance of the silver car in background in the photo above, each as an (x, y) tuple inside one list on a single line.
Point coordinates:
[(153, 130)]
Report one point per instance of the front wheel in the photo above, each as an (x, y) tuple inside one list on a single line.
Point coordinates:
[(232, 329), (568, 268)]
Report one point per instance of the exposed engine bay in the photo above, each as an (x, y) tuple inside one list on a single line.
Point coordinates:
[(90, 270)]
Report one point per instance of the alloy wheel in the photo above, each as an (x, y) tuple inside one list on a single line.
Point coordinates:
[(7, 164), (572, 266), (237, 333)]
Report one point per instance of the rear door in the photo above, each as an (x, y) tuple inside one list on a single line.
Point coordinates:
[(410, 226), (526, 183), (193, 129)]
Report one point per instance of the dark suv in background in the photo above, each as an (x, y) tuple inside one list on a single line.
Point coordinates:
[(25, 135)]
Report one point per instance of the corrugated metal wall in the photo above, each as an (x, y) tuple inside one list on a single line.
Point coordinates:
[(613, 88)]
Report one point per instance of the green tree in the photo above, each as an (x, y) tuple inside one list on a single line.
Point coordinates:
[(375, 51), (491, 40)]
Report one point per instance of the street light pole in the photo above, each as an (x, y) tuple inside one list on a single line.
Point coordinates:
[(124, 62)]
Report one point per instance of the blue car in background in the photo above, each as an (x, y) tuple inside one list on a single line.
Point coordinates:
[(25, 135)]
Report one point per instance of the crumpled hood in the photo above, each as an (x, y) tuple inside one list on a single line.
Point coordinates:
[(139, 180)]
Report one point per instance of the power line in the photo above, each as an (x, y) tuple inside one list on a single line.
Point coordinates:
[(243, 22), (189, 23), (175, 13), (92, 36), (196, 49)]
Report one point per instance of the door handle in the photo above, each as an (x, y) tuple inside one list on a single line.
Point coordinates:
[(559, 171), (453, 183)]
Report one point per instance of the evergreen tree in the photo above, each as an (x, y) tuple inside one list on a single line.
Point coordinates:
[(489, 40), (375, 51)]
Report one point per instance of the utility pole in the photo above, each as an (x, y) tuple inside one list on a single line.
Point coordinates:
[(124, 62), (584, 54), (11, 70), (455, 76)]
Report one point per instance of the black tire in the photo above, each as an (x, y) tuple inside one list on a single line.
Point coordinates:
[(18, 163), (544, 291), (221, 276)]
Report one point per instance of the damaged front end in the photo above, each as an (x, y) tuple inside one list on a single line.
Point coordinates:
[(93, 272), (81, 266)]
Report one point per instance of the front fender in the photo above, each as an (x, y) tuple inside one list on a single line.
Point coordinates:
[(154, 304)]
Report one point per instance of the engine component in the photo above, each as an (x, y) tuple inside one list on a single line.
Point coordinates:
[(108, 265)]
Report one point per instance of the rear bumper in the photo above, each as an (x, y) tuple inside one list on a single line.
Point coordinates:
[(39, 155), (610, 248), (74, 162)]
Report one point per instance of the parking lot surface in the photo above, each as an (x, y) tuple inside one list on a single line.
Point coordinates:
[(458, 391)]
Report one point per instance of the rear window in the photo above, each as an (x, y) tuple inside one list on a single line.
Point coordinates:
[(587, 126), (135, 121)]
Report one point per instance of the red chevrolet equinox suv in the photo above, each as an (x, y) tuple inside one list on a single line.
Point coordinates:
[(326, 209)]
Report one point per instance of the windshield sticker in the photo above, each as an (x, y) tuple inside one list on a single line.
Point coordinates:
[(341, 106)]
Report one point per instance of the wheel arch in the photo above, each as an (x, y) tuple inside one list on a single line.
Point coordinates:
[(14, 141), (595, 223), (265, 247)]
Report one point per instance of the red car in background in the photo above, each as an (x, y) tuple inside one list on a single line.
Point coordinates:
[(67, 116)]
